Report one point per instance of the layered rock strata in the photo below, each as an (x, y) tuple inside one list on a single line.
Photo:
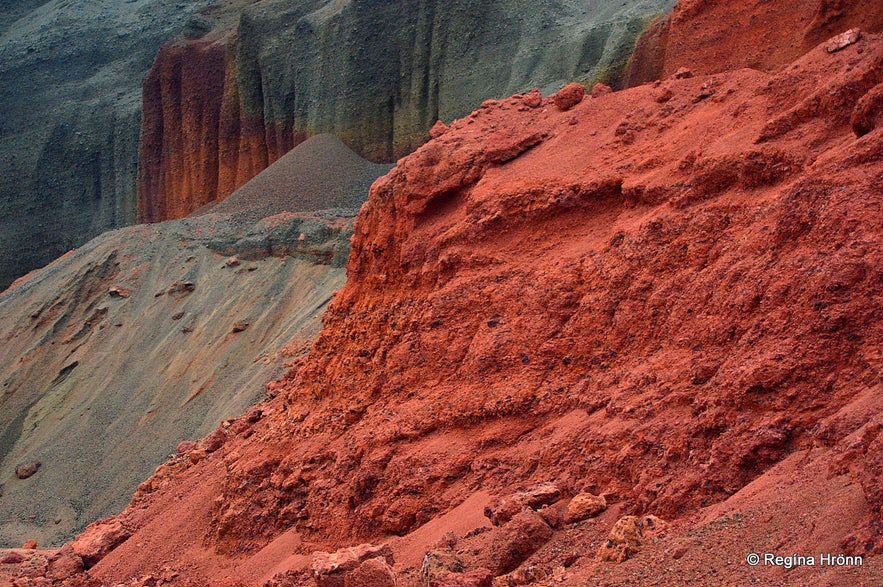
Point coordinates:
[(70, 97)]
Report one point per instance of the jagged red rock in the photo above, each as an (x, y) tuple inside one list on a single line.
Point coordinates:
[(533, 98), (674, 316), (186, 446), (476, 578), (600, 89), (514, 542), (344, 568), (438, 129), (504, 509), (628, 536), (98, 540), (64, 566), (569, 96), (12, 558)]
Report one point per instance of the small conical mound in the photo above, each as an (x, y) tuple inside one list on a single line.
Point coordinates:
[(320, 173)]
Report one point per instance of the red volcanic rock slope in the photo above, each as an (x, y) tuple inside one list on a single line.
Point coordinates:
[(709, 37), (669, 295)]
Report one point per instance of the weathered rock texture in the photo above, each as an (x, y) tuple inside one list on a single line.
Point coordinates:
[(674, 303), (706, 36), (70, 98), (146, 337), (220, 108)]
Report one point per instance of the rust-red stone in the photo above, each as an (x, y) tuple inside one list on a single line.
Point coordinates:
[(666, 300)]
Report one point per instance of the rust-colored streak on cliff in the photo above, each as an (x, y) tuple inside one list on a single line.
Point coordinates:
[(197, 144), (706, 36), (180, 130), (648, 58)]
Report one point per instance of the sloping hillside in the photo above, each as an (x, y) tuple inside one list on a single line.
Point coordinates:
[(668, 296), (152, 335)]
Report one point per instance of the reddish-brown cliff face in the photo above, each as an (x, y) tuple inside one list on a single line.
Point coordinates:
[(197, 144), (706, 36), (670, 295)]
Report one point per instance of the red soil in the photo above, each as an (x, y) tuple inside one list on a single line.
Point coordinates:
[(669, 295), (707, 36)]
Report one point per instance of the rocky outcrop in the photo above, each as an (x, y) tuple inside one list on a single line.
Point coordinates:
[(666, 295), (220, 108), (360, 565), (628, 536), (709, 37)]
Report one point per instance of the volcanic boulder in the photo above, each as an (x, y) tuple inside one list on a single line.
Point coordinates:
[(28, 470), (504, 509), (569, 96), (12, 558), (344, 568), (628, 535), (64, 566), (515, 541), (585, 505)]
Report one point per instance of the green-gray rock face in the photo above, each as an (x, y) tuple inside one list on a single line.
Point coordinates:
[(379, 73), (70, 115)]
